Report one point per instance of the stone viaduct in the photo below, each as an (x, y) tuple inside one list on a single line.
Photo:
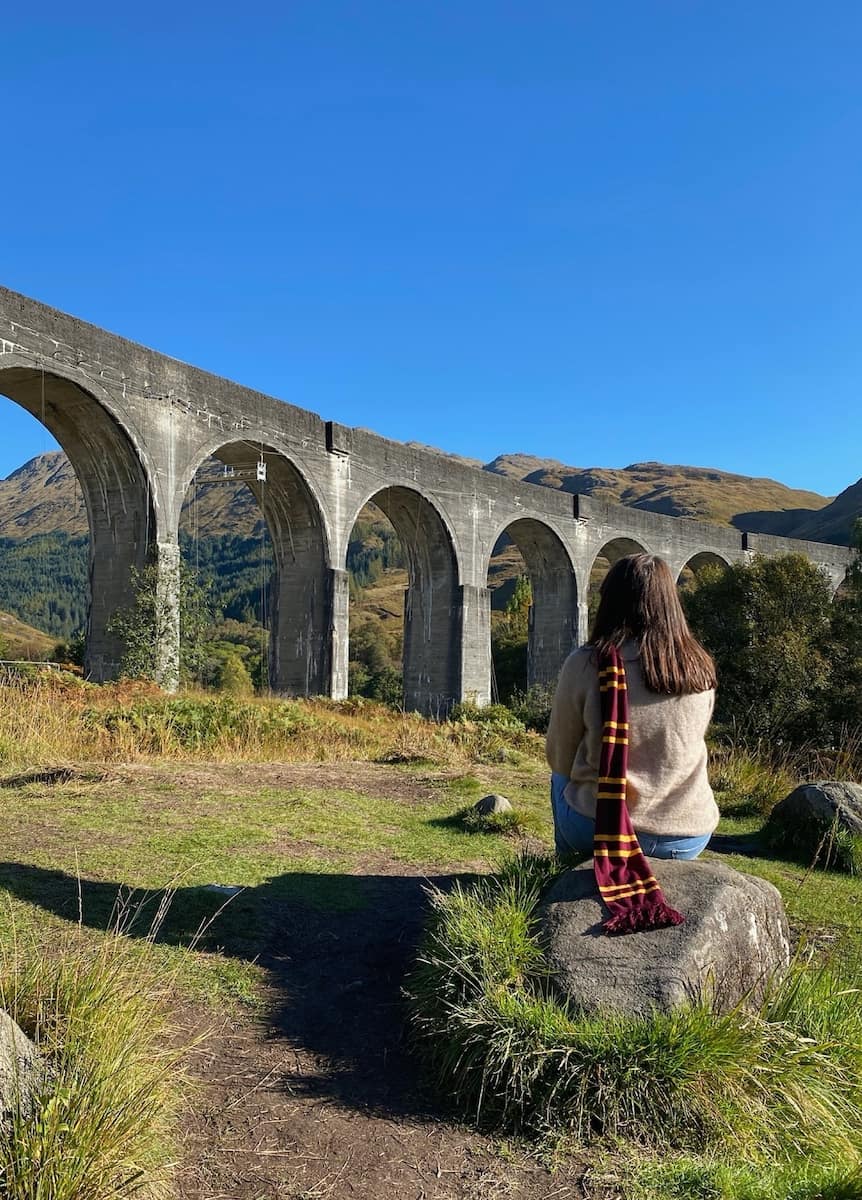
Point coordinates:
[(137, 425)]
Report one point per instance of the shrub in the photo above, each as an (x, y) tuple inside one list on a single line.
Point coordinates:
[(767, 623), (498, 1040), (163, 724), (533, 707), (497, 715)]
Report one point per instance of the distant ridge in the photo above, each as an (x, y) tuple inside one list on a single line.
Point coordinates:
[(42, 496)]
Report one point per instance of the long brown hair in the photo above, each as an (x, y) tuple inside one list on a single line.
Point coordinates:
[(640, 602)]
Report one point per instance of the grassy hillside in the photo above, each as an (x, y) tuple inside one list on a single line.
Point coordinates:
[(676, 491), (18, 640), (834, 522)]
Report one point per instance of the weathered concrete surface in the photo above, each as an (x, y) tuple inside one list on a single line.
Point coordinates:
[(20, 1066), (734, 938), (137, 425), (808, 819)]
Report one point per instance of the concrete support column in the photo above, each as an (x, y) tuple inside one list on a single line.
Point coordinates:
[(583, 627), (300, 624), (553, 627), (432, 647), (112, 592), (474, 621), (339, 582), (166, 559)]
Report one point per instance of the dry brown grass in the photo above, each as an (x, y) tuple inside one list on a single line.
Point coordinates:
[(51, 719)]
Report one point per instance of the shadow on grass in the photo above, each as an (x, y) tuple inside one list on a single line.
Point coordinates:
[(749, 845), (337, 949)]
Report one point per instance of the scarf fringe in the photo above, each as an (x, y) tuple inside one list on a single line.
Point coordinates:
[(642, 917)]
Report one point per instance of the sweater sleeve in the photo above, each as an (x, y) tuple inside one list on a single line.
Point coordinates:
[(566, 726)]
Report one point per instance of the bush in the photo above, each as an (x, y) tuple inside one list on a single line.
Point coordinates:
[(533, 707), (512, 1054), (768, 626), (496, 715), (161, 725)]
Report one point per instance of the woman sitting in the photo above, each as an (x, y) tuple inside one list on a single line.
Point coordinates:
[(670, 681)]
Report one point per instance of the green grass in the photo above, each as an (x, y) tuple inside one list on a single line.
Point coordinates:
[(694, 1179), (514, 1055), (84, 833), (70, 847), (99, 1122)]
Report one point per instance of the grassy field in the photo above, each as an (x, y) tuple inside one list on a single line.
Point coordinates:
[(328, 819)]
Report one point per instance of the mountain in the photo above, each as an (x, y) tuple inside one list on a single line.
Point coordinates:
[(704, 493), (43, 497), (834, 522)]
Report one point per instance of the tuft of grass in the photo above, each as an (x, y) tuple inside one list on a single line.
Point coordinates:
[(511, 823), (780, 1083), (100, 1123), (825, 844), (746, 782)]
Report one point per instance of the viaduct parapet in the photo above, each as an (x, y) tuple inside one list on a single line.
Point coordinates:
[(137, 425)]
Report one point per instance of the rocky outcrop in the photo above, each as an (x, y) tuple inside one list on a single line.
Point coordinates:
[(734, 939)]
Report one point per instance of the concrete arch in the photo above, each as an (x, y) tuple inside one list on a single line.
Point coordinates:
[(612, 549), (700, 559), (553, 623), (119, 490), (301, 592), (412, 499), (432, 604)]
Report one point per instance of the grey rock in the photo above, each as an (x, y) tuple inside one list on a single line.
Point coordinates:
[(734, 939), (492, 804), (812, 809), (20, 1066)]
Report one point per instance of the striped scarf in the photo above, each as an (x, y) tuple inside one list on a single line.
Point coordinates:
[(624, 877)]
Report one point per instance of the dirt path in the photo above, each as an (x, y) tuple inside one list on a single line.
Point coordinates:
[(322, 1099)]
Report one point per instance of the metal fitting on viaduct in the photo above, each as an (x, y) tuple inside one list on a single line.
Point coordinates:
[(137, 425)]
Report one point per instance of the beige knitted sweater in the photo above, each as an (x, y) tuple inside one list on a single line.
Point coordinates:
[(668, 790)]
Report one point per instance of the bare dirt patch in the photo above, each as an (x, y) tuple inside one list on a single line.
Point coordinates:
[(372, 778), (323, 1096)]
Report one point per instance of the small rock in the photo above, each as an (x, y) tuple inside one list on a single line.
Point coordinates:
[(492, 804), (20, 1066), (223, 889), (733, 940)]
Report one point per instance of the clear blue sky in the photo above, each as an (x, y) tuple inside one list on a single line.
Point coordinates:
[(598, 232)]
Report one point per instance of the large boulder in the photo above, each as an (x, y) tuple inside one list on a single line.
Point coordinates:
[(819, 821), (733, 940), (20, 1066)]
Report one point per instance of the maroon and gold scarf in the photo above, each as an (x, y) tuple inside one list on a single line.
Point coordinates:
[(624, 877)]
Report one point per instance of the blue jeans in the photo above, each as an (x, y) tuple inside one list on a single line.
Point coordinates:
[(573, 833)]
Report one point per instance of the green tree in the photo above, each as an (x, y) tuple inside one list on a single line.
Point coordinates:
[(147, 624), (846, 683), (509, 641), (768, 625), (234, 676)]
